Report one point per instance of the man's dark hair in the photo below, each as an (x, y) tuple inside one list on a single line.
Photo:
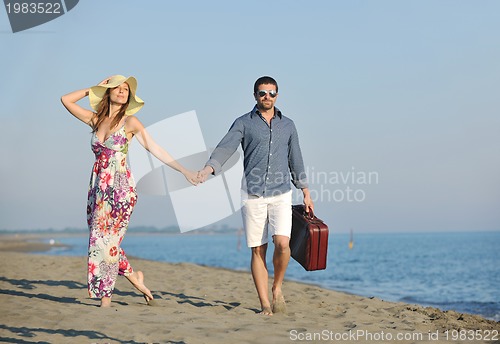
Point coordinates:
[(264, 80)]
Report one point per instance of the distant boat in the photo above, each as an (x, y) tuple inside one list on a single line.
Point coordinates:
[(351, 241)]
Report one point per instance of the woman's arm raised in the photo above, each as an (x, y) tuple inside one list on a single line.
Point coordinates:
[(69, 101)]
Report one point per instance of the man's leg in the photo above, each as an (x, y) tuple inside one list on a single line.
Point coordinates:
[(260, 277), (254, 212), (280, 223), (281, 258)]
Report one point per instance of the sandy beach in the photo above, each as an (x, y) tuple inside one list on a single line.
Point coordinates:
[(43, 299)]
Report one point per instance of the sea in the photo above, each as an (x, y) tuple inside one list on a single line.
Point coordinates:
[(450, 271)]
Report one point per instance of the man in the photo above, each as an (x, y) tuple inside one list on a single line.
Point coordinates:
[(272, 158)]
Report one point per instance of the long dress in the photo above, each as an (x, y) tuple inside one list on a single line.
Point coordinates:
[(111, 199)]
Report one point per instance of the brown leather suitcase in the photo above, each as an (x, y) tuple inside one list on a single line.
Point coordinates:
[(309, 239)]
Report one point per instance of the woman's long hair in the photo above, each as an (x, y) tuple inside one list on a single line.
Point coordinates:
[(103, 111)]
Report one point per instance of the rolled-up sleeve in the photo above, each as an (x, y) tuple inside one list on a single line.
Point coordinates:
[(227, 146), (295, 161)]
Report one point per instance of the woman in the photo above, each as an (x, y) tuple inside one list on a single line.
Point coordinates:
[(112, 195)]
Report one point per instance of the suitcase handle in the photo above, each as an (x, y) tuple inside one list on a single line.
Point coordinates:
[(309, 214)]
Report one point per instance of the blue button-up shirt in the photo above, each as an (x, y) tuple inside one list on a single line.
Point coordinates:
[(272, 156)]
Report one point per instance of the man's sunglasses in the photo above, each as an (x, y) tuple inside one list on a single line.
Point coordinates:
[(272, 93)]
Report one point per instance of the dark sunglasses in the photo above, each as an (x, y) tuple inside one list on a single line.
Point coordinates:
[(272, 93)]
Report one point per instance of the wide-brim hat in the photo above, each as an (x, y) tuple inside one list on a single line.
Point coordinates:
[(135, 103)]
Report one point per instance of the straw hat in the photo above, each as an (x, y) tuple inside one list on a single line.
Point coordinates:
[(96, 93)]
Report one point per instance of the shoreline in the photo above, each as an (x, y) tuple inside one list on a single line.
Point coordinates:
[(42, 243), (39, 243), (44, 298)]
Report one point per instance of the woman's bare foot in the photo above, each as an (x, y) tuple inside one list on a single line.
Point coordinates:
[(105, 302), (138, 282)]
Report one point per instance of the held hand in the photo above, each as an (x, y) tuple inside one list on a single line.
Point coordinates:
[(204, 173), (192, 177)]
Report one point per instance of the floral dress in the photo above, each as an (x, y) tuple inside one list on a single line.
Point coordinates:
[(111, 199)]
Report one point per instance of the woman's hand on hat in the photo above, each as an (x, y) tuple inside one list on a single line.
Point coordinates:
[(105, 81)]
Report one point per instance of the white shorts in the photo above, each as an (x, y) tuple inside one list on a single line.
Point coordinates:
[(264, 216)]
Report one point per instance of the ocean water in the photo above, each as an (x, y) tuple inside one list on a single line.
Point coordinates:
[(450, 271)]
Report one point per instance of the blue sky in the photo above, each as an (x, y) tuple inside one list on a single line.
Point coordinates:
[(406, 90)]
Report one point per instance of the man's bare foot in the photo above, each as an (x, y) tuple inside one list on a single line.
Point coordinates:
[(266, 311), (105, 302), (279, 304)]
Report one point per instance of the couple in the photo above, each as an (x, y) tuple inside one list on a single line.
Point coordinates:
[(271, 156)]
